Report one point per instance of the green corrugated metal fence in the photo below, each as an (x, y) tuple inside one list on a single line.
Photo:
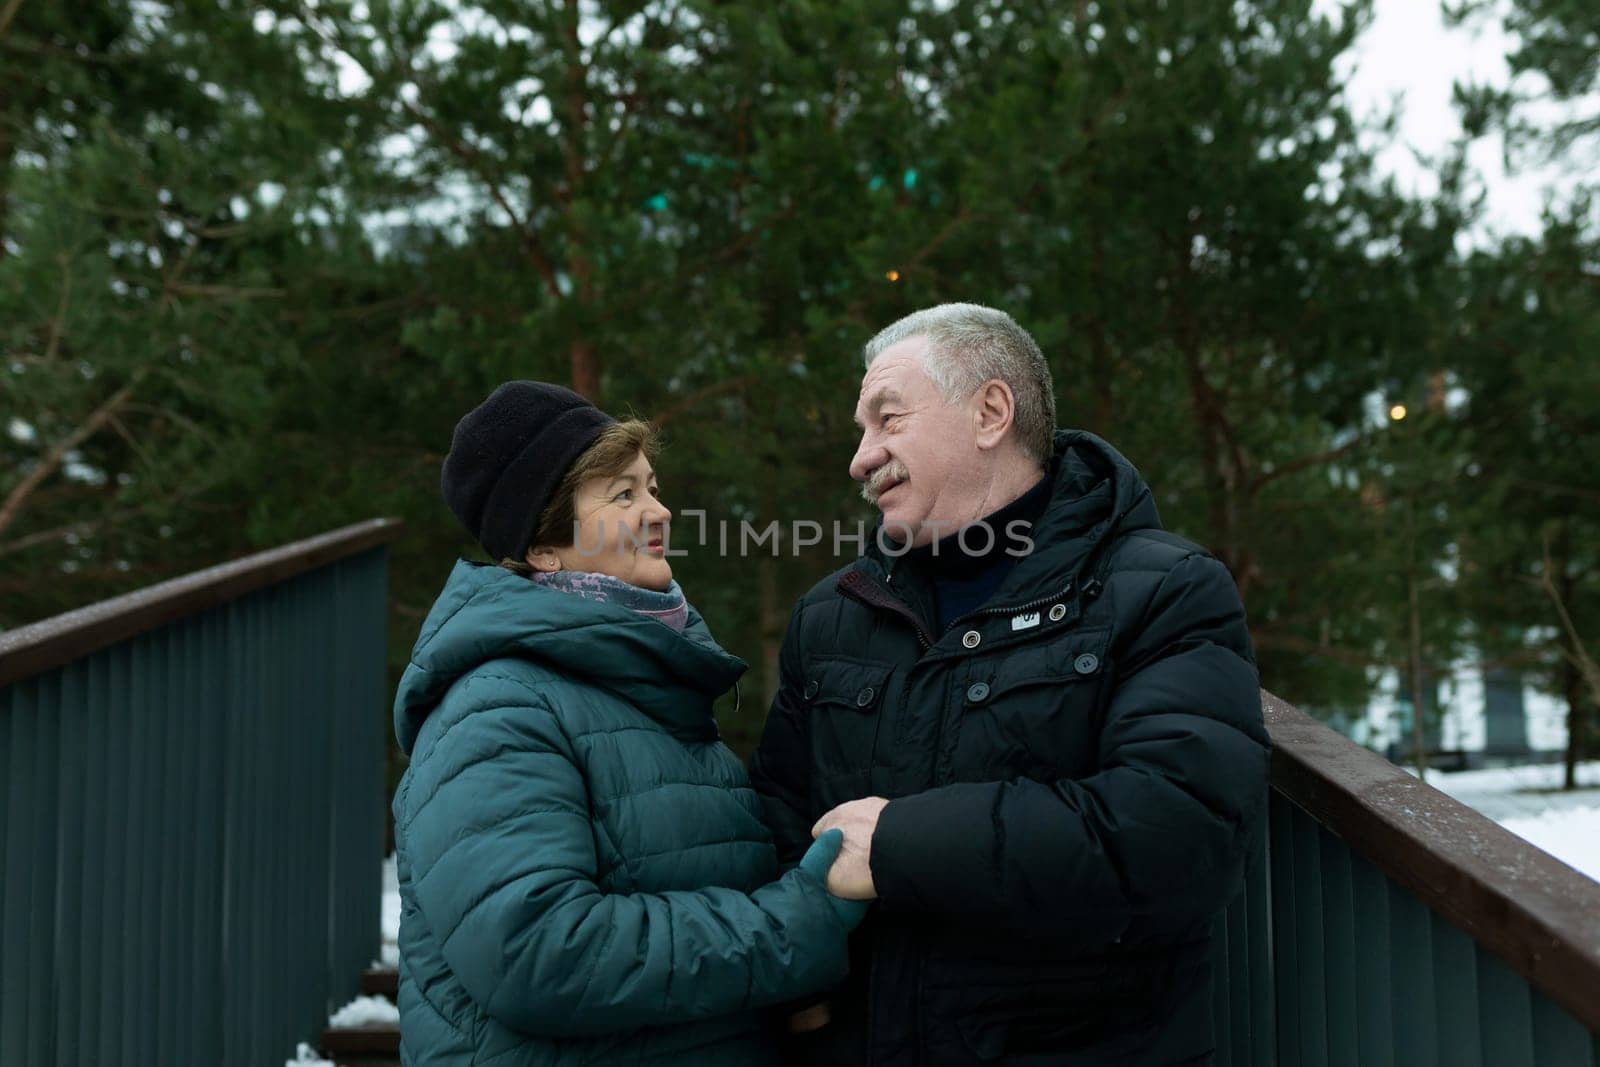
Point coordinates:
[(1324, 960), (192, 825)]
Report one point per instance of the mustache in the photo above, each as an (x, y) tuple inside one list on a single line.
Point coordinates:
[(880, 479)]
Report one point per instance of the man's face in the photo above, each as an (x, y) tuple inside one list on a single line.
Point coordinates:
[(918, 461)]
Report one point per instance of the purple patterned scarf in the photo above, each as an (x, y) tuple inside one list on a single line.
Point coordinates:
[(668, 608)]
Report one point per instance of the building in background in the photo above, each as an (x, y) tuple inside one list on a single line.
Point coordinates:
[(1472, 717)]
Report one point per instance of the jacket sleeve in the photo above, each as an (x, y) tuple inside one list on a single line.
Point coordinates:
[(1154, 841), (780, 770), (504, 873)]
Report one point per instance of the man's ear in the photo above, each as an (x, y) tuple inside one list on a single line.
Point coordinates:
[(996, 412), (543, 558)]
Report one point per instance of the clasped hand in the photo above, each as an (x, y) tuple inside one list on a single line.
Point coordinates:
[(850, 877)]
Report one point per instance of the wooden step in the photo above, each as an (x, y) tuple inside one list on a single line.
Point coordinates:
[(381, 982), (373, 1039), (379, 1039)]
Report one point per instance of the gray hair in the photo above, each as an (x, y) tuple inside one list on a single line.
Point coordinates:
[(969, 344)]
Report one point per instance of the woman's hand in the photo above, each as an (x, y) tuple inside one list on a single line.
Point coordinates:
[(851, 876), (816, 863)]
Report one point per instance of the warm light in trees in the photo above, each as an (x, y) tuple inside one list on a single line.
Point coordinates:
[(892, 275), (1397, 412)]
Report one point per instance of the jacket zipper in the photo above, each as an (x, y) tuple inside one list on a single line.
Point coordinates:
[(1012, 609), (938, 733), (894, 605), (888, 602)]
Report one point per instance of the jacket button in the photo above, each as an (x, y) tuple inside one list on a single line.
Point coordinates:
[(864, 697), (978, 692), (1087, 663), (1058, 612), (811, 688), (971, 638)]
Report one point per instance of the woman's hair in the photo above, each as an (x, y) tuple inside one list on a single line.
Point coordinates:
[(611, 453)]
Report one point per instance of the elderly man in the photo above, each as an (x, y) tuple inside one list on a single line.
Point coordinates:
[(1035, 716)]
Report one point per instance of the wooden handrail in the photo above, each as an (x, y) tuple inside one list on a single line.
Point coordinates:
[(40, 646), (1516, 900)]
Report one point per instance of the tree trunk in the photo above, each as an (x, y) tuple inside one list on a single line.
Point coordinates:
[(1563, 587), (1419, 733), (585, 360), (1222, 459), (586, 370), (1573, 689), (8, 149), (1103, 413)]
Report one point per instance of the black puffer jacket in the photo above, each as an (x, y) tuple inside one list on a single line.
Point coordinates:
[(1075, 771)]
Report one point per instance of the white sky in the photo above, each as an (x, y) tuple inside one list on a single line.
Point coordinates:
[(1408, 55)]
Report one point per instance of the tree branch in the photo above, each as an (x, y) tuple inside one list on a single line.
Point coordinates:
[(58, 324), (700, 396), (57, 455), (229, 292), (1579, 654), (466, 153), (916, 259), (1305, 463), (8, 13), (1265, 638)]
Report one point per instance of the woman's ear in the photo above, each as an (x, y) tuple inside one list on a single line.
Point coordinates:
[(543, 558)]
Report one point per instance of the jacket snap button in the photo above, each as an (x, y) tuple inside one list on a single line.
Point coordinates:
[(978, 693), (864, 697), (811, 688), (971, 638), (1087, 663), (1058, 612)]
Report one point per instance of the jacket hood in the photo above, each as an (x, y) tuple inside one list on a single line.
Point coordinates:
[(1097, 492), (486, 612)]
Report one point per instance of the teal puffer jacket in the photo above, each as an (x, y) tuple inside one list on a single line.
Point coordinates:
[(584, 875)]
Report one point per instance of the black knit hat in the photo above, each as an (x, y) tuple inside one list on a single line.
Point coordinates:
[(507, 457)]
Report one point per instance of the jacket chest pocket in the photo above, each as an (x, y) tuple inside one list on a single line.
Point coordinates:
[(1034, 711), (844, 699)]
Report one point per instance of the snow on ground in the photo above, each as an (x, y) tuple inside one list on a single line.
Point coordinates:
[(1571, 836), (389, 954), (374, 1011), (1513, 779), (366, 1011), (1529, 802), (306, 1056)]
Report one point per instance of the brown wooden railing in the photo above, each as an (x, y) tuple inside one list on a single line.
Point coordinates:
[(1384, 922)]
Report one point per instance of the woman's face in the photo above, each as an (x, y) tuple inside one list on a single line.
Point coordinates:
[(621, 530)]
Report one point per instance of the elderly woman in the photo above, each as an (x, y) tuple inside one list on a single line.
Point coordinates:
[(584, 875)]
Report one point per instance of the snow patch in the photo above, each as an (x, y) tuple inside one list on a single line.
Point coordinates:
[(1529, 801), (306, 1056), (365, 1011), (1573, 836), (389, 954), (1531, 777)]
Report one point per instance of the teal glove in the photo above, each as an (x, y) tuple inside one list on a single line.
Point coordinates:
[(815, 864)]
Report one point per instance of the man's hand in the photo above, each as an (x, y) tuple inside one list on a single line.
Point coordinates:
[(813, 1018), (850, 876)]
